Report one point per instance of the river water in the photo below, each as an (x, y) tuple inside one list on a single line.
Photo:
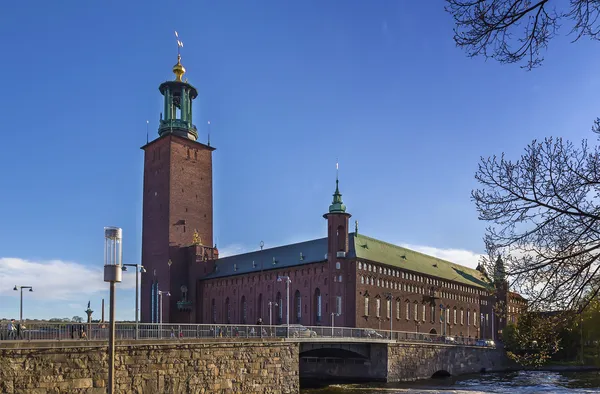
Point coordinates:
[(513, 382)]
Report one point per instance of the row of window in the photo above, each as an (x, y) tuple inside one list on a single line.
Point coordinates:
[(418, 278), (457, 314), (407, 287), (279, 304)]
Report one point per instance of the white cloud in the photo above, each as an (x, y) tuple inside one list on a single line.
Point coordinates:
[(463, 257), (232, 250), (54, 279)]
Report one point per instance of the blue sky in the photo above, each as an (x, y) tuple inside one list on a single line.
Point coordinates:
[(288, 88)]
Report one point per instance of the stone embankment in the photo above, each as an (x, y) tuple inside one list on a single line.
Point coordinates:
[(150, 368)]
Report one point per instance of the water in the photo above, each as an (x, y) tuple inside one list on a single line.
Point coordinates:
[(527, 382)]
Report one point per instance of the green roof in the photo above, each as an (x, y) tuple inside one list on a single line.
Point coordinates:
[(367, 248)]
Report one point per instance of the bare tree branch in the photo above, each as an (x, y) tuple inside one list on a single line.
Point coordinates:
[(514, 30), (544, 211)]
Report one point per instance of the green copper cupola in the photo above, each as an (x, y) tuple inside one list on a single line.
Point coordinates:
[(177, 116), (337, 205)]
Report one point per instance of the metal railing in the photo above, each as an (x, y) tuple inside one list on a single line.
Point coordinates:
[(46, 331)]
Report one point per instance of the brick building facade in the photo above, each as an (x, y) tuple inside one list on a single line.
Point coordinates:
[(350, 278)]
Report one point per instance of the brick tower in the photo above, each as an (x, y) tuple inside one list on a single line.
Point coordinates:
[(337, 250), (177, 203)]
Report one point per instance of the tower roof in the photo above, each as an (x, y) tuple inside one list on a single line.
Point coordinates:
[(337, 205)]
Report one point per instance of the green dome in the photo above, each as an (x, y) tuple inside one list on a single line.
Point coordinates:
[(337, 206)]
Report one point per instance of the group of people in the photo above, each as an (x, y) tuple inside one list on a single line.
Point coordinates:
[(13, 330)]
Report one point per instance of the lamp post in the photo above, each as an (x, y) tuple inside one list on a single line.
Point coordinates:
[(441, 319), (139, 269), (160, 294), (271, 303), (113, 255), (287, 298), (333, 315), (17, 288), (390, 297)]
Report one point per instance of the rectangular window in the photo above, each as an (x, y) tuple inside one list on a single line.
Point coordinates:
[(397, 310), (424, 312), (407, 311), (377, 307), (389, 309), (338, 304), (416, 311), (366, 306), (454, 316), (468, 318), (432, 313), (462, 317)]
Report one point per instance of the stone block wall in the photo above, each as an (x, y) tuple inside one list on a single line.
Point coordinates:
[(151, 368), (421, 361)]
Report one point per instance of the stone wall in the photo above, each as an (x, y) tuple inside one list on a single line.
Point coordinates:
[(151, 368), (421, 361)]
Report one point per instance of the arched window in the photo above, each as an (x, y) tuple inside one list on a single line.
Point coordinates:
[(366, 305), (318, 305), (214, 310), (298, 303), (280, 308), (468, 317), (454, 315), (432, 313), (228, 310), (416, 311), (462, 316), (362, 280), (359, 265), (259, 307), (244, 311), (397, 309), (407, 310), (377, 307)]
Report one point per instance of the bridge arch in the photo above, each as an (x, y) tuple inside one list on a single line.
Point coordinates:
[(441, 373)]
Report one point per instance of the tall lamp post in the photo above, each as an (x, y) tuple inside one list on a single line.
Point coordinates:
[(333, 315), (113, 257), (390, 298), (160, 296), (287, 298), (442, 319), (271, 304), (139, 269), (17, 288)]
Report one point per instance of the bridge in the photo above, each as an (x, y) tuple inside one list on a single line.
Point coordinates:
[(155, 358)]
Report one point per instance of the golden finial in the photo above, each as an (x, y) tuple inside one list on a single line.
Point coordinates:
[(196, 239), (178, 69)]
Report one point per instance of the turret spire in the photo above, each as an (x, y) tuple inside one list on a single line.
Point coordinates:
[(337, 206), (178, 69)]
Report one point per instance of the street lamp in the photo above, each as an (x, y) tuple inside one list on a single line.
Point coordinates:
[(21, 304), (271, 303), (333, 315), (113, 258), (441, 319), (287, 298), (390, 297), (160, 294), (138, 269)]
